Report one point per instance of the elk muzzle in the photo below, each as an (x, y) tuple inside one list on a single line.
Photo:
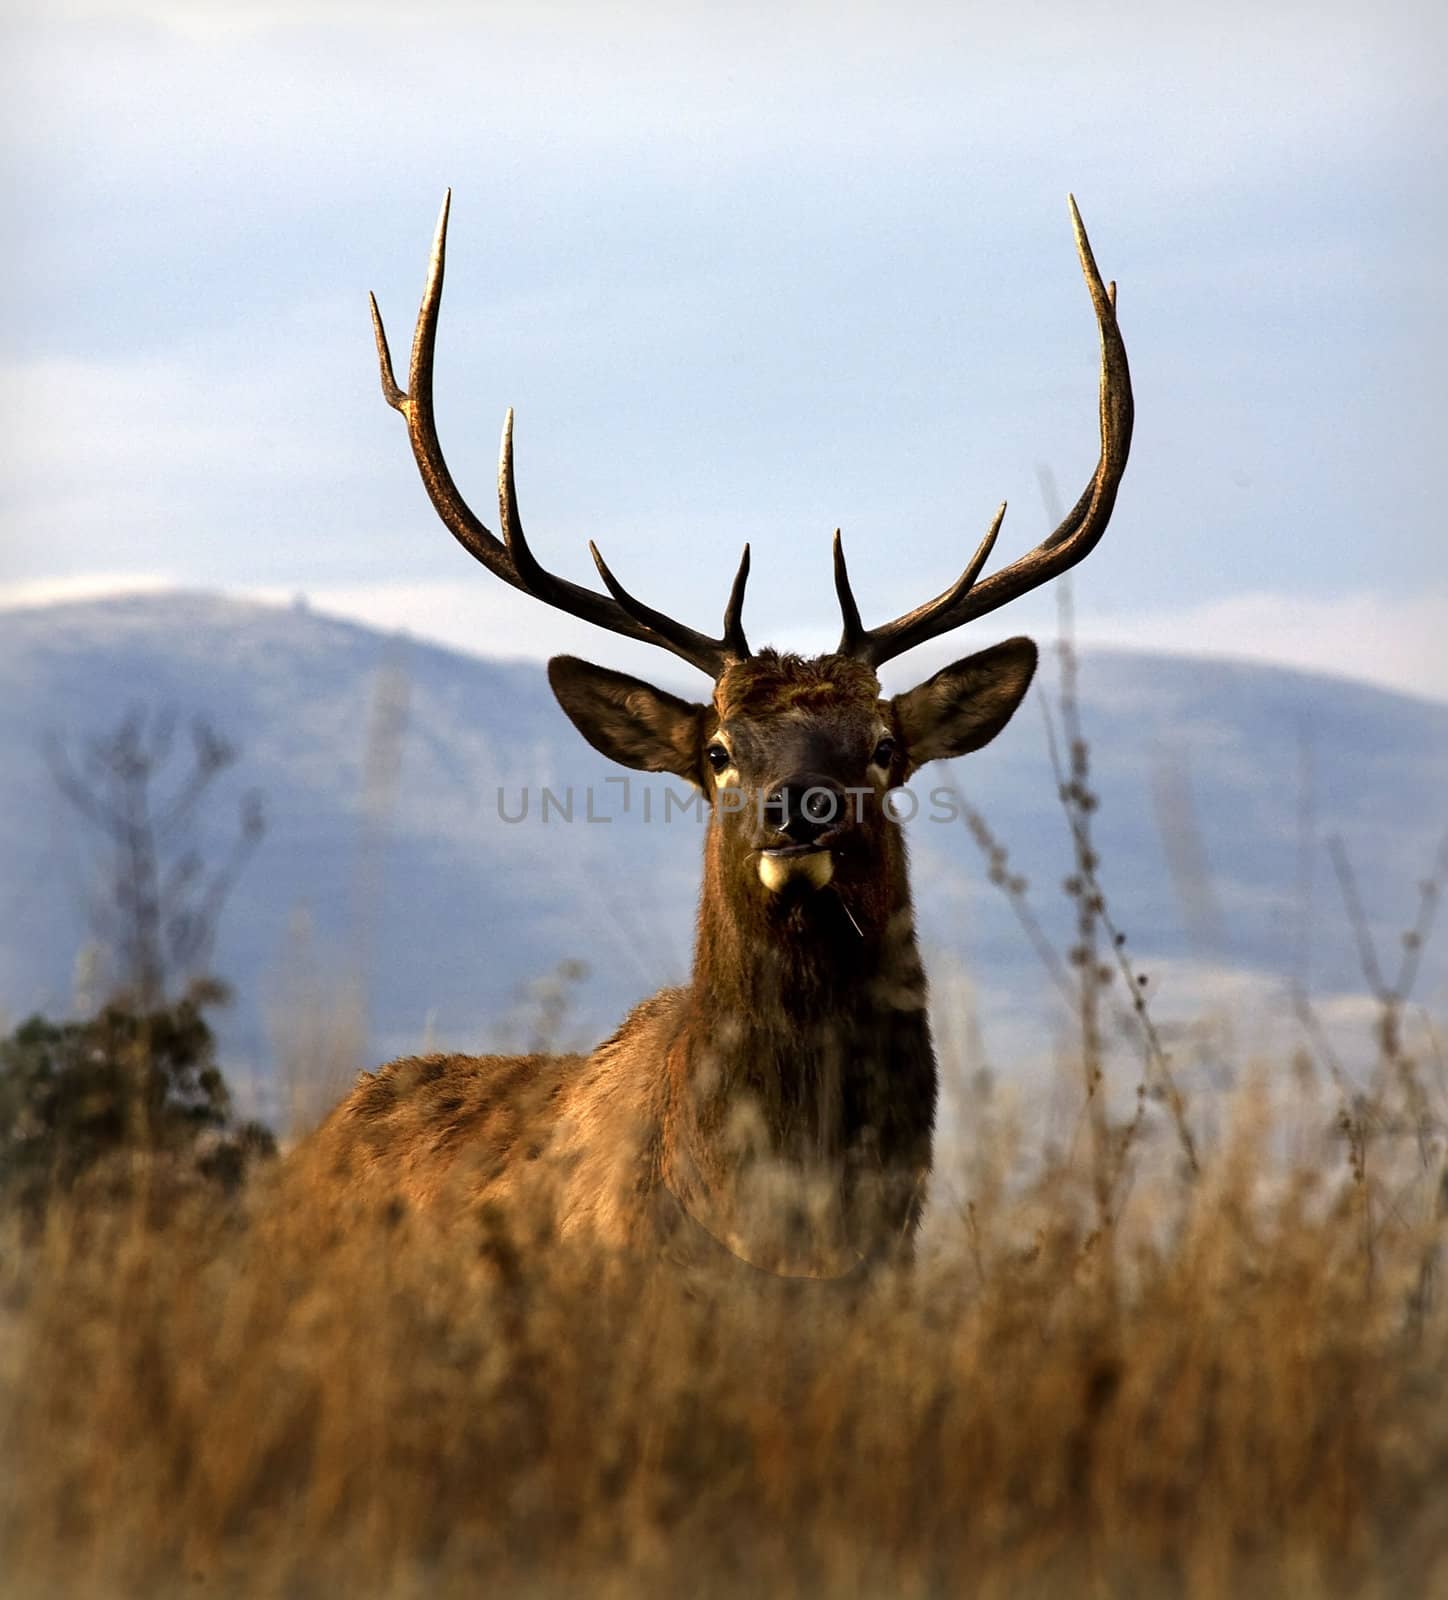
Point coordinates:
[(802, 816)]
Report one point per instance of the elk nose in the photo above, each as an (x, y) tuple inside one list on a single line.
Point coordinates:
[(805, 807)]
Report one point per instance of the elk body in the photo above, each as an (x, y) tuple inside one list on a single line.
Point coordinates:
[(779, 1106)]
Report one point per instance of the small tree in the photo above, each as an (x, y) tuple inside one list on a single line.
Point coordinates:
[(141, 1074), (73, 1094), (160, 907)]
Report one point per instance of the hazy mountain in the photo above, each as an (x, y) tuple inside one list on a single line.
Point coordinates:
[(386, 855)]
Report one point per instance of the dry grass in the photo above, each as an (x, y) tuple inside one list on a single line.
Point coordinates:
[(1226, 1391)]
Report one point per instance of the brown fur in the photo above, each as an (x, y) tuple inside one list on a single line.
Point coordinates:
[(772, 682), (781, 1105)]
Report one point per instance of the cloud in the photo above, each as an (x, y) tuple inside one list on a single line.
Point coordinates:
[(672, 82), (78, 586), (485, 619), (1398, 643), (128, 459)]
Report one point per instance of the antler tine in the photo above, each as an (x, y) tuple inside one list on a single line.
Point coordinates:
[(866, 643), (395, 397), (709, 655), (1075, 538), (854, 637), (511, 559), (415, 404), (532, 575), (734, 641)]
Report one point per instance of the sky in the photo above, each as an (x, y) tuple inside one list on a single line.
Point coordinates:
[(745, 272)]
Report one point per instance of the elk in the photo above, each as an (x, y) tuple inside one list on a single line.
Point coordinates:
[(780, 1106)]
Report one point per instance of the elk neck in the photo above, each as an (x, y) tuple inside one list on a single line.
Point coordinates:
[(804, 1045)]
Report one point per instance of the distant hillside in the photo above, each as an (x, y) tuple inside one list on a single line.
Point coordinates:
[(445, 912)]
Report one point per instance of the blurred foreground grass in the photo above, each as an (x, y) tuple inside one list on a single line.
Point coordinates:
[(1233, 1383)]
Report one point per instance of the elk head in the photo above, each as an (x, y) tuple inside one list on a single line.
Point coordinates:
[(797, 755)]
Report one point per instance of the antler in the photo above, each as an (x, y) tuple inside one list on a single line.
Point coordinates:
[(510, 558), (1076, 537)]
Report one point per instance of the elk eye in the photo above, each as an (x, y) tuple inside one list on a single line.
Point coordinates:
[(884, 753), (718, 757)]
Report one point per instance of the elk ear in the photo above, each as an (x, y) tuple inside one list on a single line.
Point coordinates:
[(629, 720), (966, 704)]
